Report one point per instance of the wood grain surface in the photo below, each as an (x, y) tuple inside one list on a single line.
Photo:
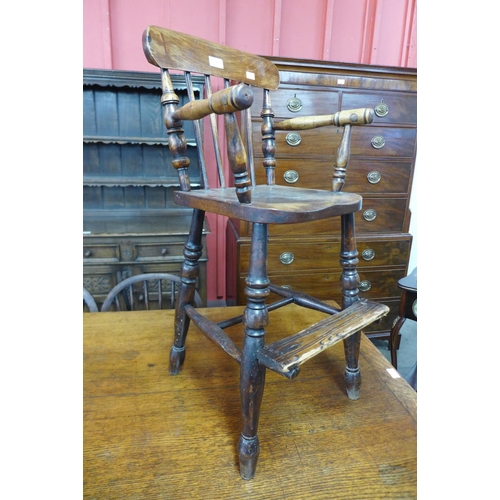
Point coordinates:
[(150, 435)]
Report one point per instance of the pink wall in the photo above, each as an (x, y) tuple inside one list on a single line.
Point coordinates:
[(355, 31)]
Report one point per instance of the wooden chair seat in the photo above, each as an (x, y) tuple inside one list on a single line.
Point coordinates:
[(273, 204)]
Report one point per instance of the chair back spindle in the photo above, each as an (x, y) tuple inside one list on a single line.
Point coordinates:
[(268, 139)]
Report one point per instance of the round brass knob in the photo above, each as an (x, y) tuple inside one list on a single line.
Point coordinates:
[(286, 258), (374, 177), (364, 286), (88, 253), (291, 176), (164, 251), (378, 142), (381, 109), (294, 104), (293, 139), (369, 215), (368, 254)]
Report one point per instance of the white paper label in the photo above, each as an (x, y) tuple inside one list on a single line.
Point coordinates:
[(393, 372), (216, 62), (340, 81), (250, 75)]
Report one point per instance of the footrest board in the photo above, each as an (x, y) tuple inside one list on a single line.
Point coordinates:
[(286, 355)]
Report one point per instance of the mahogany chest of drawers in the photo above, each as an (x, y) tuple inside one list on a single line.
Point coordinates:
[(306, 256)]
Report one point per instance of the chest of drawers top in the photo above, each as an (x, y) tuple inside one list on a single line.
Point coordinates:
[(315, 87)]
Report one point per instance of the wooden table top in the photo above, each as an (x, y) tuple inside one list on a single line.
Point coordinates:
[(150, 435)]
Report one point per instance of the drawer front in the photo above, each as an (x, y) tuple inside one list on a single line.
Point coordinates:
[(378, 215), (383, 141), (376, 283), (321, 141), (103, 253), (363, 176), (365, 141), (146, 252), (289, 257), (290, 102), (389, 107)]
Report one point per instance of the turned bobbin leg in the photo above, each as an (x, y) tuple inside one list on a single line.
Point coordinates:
[(253, 374), (349, 283), (189, 273)]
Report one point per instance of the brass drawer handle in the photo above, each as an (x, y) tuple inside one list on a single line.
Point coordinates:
[(293, 139), (368, 254), (381, 109), (88, 253), (291, 176), (294, 104), (378, 142), (364, 286), (369, 215), (374, 177), (286, 258)]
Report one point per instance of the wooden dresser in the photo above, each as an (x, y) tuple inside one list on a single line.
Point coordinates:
[(306, 256), (130, 222)]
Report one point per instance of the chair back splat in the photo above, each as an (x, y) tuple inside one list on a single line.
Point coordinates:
[(232, 78)]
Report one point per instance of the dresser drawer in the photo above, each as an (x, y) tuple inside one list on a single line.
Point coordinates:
[(363, 176), (293, 101), (146, 252), (389, 107), (371, 176), (383, 141), (103, 253), (287, 256)]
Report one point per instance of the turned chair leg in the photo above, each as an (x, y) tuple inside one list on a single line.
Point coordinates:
[(349, 282), (394, 340), (193, 250), (253, 374)]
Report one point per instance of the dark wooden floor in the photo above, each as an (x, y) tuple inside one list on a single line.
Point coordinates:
[(148, 435)]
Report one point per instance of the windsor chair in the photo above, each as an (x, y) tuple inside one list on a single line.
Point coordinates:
[(149, 290), (238, 75)]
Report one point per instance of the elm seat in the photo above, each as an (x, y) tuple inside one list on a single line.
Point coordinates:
[(231, 78), (273, 204)]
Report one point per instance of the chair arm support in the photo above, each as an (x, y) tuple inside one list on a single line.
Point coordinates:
[(228, 100), (361, 116)]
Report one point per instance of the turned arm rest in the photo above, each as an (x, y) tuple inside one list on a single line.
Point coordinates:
[(361, 116), (235, 98)]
